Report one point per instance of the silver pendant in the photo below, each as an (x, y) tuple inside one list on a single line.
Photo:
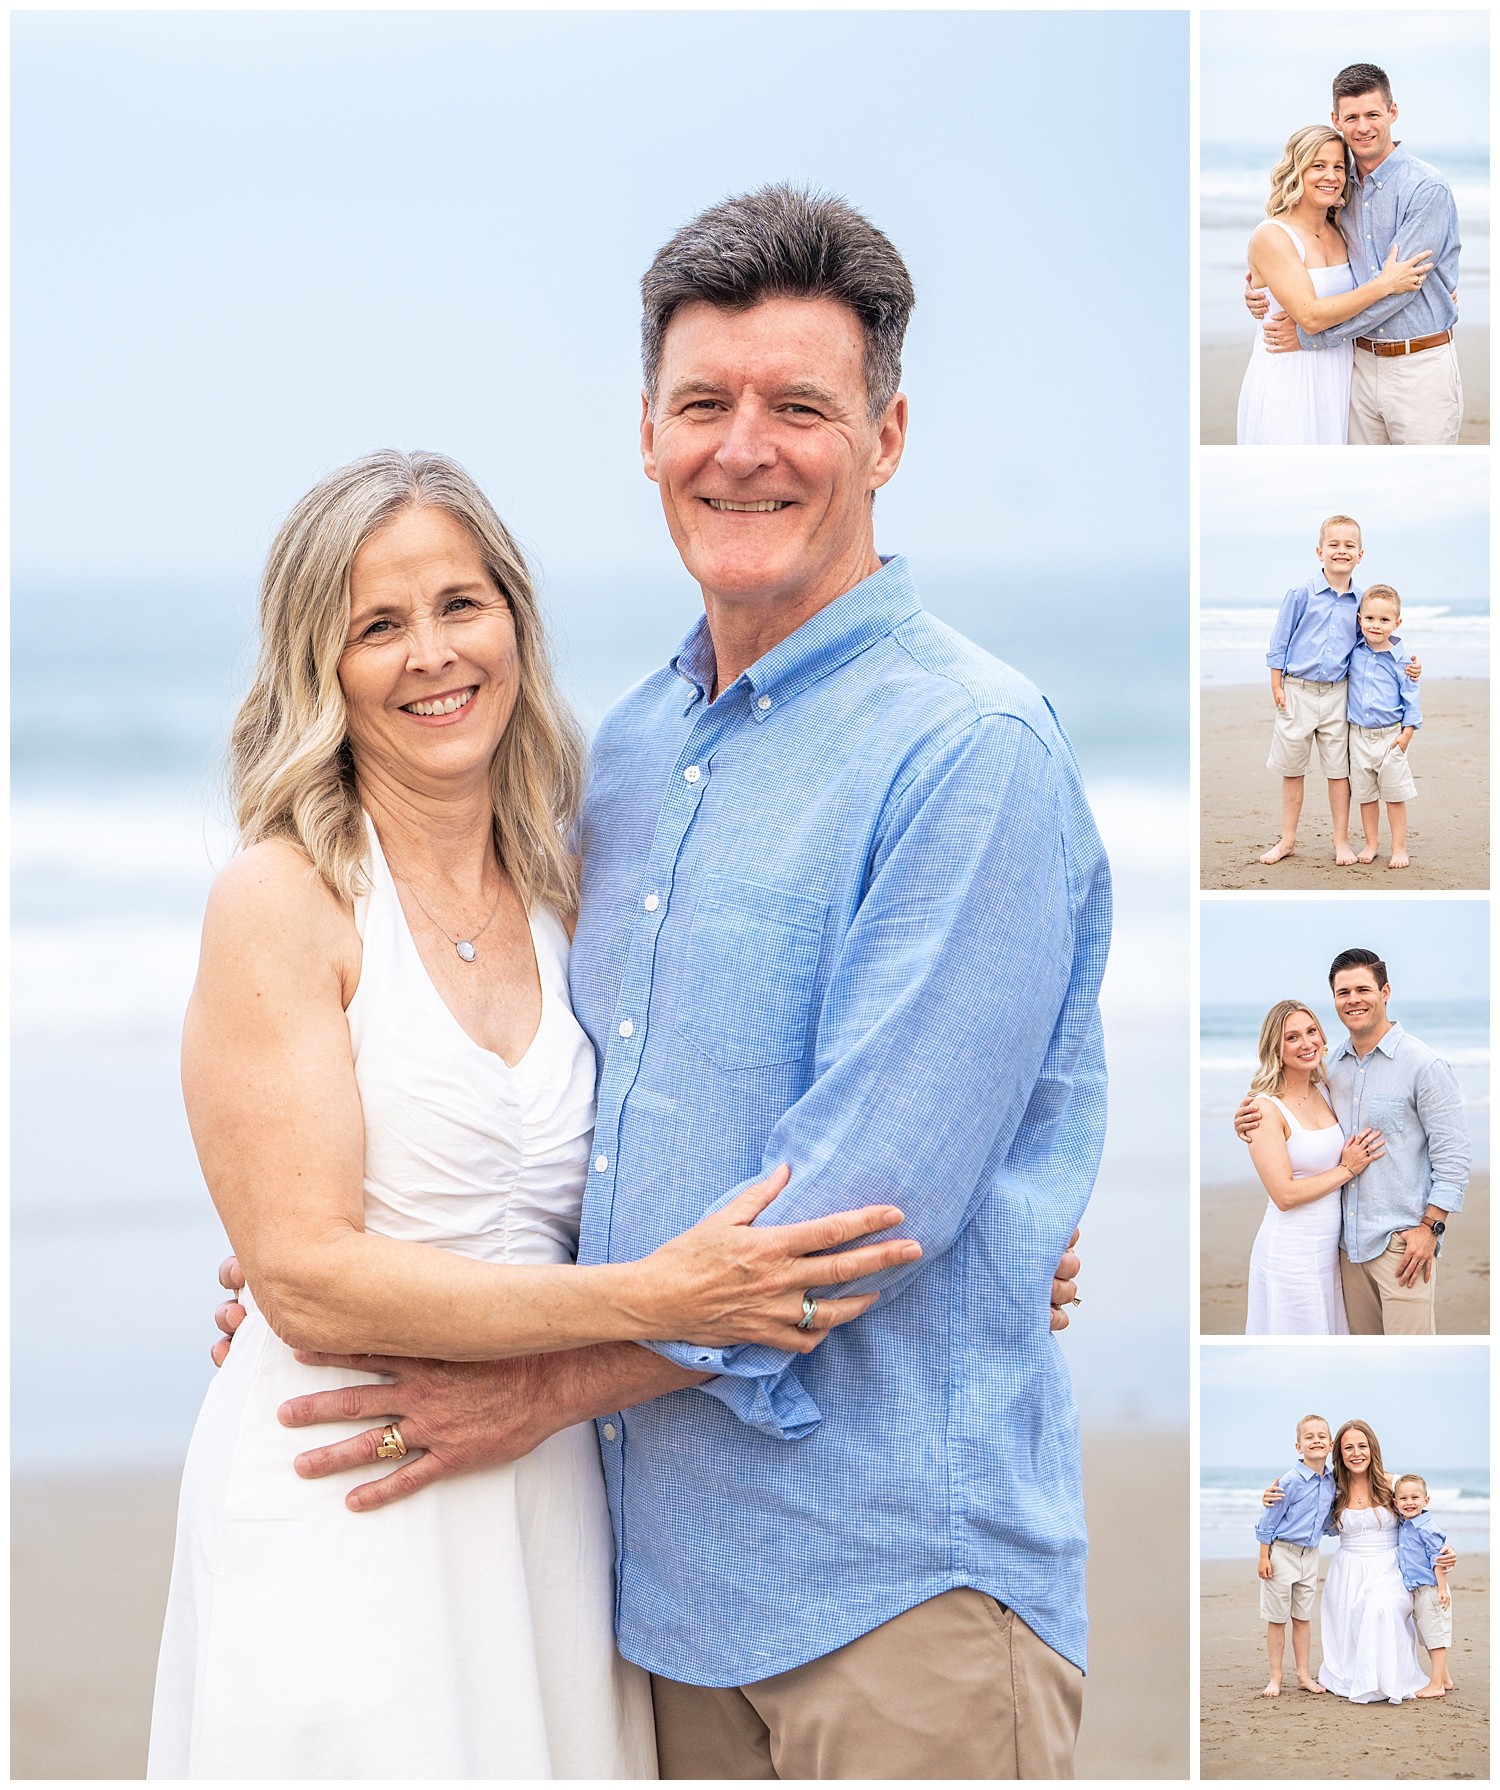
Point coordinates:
[(466, 950)]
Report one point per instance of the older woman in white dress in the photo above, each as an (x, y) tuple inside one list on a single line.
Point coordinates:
[(392, 1103), (1300, 254), (1303, 1160)]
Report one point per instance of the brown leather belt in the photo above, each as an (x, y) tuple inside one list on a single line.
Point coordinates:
[(1415, 346)]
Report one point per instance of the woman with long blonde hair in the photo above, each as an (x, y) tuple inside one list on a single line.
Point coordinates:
[(1300, 254), (392, 1103), (1303, 1160)]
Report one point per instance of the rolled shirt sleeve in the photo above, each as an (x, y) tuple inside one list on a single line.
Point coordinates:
[(1449, 1153), (1287, 617), (1274, 1515)]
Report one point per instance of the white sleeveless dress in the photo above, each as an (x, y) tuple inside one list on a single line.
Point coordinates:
[(1369, 1637), (466, 1632), (1302, 399), (1295, 1285)]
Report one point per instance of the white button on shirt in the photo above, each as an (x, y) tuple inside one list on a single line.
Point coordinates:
[(626, 1028), (609, 1432), (652, 904), (601, 1163), (763, 702), (692, 774)]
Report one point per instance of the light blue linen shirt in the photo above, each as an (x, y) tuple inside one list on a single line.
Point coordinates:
[(851, 916), (1418, 1544), (1302, 1515), (1316, 628), (1409, 203), (1411, 1096), (1380, 692)]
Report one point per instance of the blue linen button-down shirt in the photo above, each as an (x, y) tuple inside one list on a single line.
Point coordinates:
[(1411, 1096), (851, 916), (1380, 692), (1406, 202), (1418, 1544), (1302, 1515), (1316, 628)]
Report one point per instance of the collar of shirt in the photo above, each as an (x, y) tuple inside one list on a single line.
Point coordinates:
[(824, 642), (1387, 1044), (1386, 169), (1321, 587), (1306, 1472)]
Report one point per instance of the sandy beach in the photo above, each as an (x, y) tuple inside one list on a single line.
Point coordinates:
[(91, 1559), (1245, 1735), (1231, 1216), (1447, 826), (1223, 372)]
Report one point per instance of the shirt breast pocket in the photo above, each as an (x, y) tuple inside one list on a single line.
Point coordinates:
[(751, 967), (1389, 1116)]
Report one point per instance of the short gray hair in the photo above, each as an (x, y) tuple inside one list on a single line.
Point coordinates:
[(784, 242)]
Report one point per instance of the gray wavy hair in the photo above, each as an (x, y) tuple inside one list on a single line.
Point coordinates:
[(784, 241), (291, 772)]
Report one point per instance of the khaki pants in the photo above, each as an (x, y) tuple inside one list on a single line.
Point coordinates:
[(958, 1687), (1406, 400), (1378, 1305)]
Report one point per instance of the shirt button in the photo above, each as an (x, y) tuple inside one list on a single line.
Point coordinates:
[(601, 1163), (626, 1028), (691, 774), (652, 903), (763, 702), (609, 1432)]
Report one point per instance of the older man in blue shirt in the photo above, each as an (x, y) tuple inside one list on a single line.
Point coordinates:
[(844, 908), (1406, 389)]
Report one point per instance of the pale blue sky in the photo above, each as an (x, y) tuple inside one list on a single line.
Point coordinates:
[(1266, 73), (1428, 1403), (1434, 950)]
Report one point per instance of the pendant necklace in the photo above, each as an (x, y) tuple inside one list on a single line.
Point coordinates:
[(463, 946)]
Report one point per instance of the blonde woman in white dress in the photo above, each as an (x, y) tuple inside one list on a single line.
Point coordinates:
[(392, 1103), (1303, 1160), (1300, 254)]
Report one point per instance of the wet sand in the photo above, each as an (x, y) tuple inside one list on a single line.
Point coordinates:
[(91, 1559), (1296, 1735), (1231, 1216), (1447, 826), (1223, 372)]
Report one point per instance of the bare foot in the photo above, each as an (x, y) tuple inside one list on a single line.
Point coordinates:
[(1432, 1690), (1283, 848), (1273, 1689), (1343, 855), (1367, 856), (1449, 1685), (1399, 861), (1311, 1684)]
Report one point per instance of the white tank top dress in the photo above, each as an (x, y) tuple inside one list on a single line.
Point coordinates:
[(1302, 399), (1295, 1285)]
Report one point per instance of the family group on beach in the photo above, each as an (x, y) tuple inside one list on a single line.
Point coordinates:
[(1342, 683), (1360, 256), (1387, 1585), (1364, 1156), (539, 1090)]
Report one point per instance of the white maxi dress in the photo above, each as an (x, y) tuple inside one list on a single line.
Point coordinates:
[(1295, 1285), (1369, 1636), (1302, 399), (466, 1632)]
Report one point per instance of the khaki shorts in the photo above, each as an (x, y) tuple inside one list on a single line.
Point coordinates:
[(1434, 1623), (1293, 1586), (1313, 712), (1376, 773)]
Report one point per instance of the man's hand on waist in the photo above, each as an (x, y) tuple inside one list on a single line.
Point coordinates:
[(1421, 1247)]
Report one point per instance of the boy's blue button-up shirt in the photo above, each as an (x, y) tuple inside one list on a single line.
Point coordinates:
[(852, 916), (1418, 1544), (1408, 202), (1315, 631), (1302, 1515), (1380, 692)]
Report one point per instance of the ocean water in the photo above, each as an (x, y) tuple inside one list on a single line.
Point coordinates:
[(1234, 184), (1452, 639), (1458, 1030), (118, 829), (1229, 1507)]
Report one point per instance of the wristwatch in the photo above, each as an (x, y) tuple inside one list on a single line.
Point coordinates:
[(1435, 1225)]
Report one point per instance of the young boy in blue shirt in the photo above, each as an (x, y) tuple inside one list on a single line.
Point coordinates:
[(1289, 1532), (1384, 714), (1418, 1545)]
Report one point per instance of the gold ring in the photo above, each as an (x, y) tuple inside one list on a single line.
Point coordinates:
[(390, 1446), (1075, 1302)]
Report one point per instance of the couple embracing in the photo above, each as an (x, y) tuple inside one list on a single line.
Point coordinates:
[(656, 1176), (1364, 1156), (1360, 254)]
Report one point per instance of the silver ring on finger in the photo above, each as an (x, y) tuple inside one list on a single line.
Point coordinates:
[(809, 1311)]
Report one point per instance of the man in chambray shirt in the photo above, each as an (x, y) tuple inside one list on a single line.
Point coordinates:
[(1406, 389), (1396, 1211)]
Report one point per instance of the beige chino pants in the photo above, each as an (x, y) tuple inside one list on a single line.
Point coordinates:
[(1406, 400), (958, 1687), (1378, 1305)]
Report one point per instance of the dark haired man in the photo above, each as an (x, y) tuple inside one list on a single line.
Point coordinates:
[(1406, 389), (1396, 1211), (845, 908)]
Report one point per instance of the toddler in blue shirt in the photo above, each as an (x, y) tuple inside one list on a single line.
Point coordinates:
[(1384, 713), (1418, 1545)]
